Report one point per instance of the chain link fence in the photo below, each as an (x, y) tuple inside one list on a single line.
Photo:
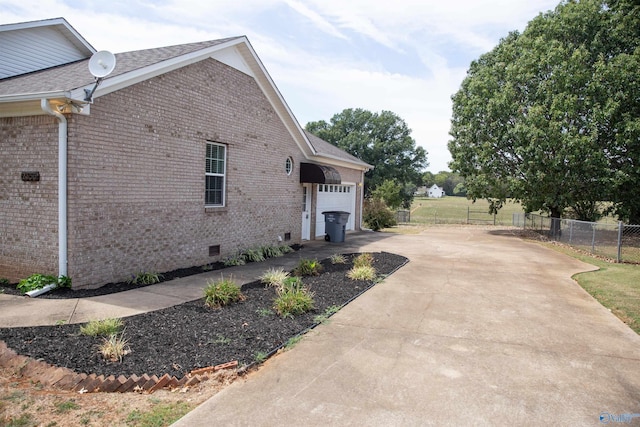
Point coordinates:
[(612, 240)]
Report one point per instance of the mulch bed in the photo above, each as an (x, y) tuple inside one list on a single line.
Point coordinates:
[(189, 336)]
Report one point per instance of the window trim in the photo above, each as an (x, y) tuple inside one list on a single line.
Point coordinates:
[(223, 175)]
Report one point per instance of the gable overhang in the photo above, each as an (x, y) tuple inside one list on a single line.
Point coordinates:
[(311, 173)]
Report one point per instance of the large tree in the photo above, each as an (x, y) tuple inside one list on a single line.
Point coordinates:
[(380, 139), (537, 119)]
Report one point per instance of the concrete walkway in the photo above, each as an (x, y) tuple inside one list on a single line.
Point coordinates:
[(24, 311), (480, 328)]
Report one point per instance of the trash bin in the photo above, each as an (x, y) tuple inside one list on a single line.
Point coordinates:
[(335, 223)]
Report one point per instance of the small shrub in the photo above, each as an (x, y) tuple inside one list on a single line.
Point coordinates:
[(3, 281), (271, 251), (233, 260), (285, 249), (308, 267), (221, 293), (115, 347), (294, 298), (39, 281), (105, 327), (274, 277), (145, 278), (363, 260), (254, 255), (365, 272), (338, 259), (377, 215)]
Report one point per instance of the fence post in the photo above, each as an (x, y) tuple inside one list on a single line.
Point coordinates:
[(620, 228), (593, 239), (467, 214), (570, 232)]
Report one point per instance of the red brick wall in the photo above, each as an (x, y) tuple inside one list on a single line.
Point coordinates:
[(28, 210)]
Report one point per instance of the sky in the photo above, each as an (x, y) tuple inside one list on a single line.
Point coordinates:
[(404, 56)]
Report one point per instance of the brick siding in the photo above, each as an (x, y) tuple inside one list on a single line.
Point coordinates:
[(136, 179)]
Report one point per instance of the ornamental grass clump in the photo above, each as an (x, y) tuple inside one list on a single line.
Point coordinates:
[(145, 278), (222, 292), (274, 277), (364, 259), (293, 298), (114, 347), (104, 328), (338, 259), (362, 268), (364, 272), (308, 267)]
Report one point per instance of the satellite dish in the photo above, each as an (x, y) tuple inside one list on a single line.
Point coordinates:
[(102, 63)]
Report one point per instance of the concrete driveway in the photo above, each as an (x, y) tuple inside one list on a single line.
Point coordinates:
[(480, 328)]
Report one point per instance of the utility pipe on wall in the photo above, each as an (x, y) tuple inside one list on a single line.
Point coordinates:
[(62, 185)]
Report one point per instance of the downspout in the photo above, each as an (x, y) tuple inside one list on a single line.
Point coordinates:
[(62, 185), (362, 202)]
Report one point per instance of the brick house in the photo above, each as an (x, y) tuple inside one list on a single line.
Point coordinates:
[(182, 156)]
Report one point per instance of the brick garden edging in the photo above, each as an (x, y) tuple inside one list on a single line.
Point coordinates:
[(66, 379)]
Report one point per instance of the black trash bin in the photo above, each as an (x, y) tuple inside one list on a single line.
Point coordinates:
[(335, 223)]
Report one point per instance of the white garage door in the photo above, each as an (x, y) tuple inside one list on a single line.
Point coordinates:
[(335, 198)]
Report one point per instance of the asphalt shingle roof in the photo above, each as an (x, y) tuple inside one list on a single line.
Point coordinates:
[(71, 76)]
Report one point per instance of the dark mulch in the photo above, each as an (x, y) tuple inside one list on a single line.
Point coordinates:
[(188, 336)]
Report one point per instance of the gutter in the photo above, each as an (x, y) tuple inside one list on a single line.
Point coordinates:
[(62, 185)]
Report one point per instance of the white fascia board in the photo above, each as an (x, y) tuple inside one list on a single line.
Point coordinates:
[(336, 161)]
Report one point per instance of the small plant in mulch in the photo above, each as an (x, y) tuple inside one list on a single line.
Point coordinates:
[(4, 281), (274, 277), (234, 260), (330, 311), (39, 281), (364, 259), (293, 298), (365, 272), (222, 292), (104, 328), (254, 255), (308, 267), (338, 259), (145, 278), (114, 347)]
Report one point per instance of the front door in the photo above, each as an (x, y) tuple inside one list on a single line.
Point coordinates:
[(306, 212)]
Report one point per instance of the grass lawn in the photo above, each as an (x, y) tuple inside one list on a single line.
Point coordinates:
[(456, 210), (615, 286)]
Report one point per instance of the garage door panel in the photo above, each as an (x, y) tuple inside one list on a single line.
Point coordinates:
[(335, 198)]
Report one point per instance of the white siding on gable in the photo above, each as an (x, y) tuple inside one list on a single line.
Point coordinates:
[(32, 49)]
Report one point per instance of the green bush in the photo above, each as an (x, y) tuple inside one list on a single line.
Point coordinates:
[(377, 215), (39, 281), (308, 267), (221, 293)]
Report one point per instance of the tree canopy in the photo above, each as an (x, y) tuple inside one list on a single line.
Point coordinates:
[(551, 117), (380, 139)]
